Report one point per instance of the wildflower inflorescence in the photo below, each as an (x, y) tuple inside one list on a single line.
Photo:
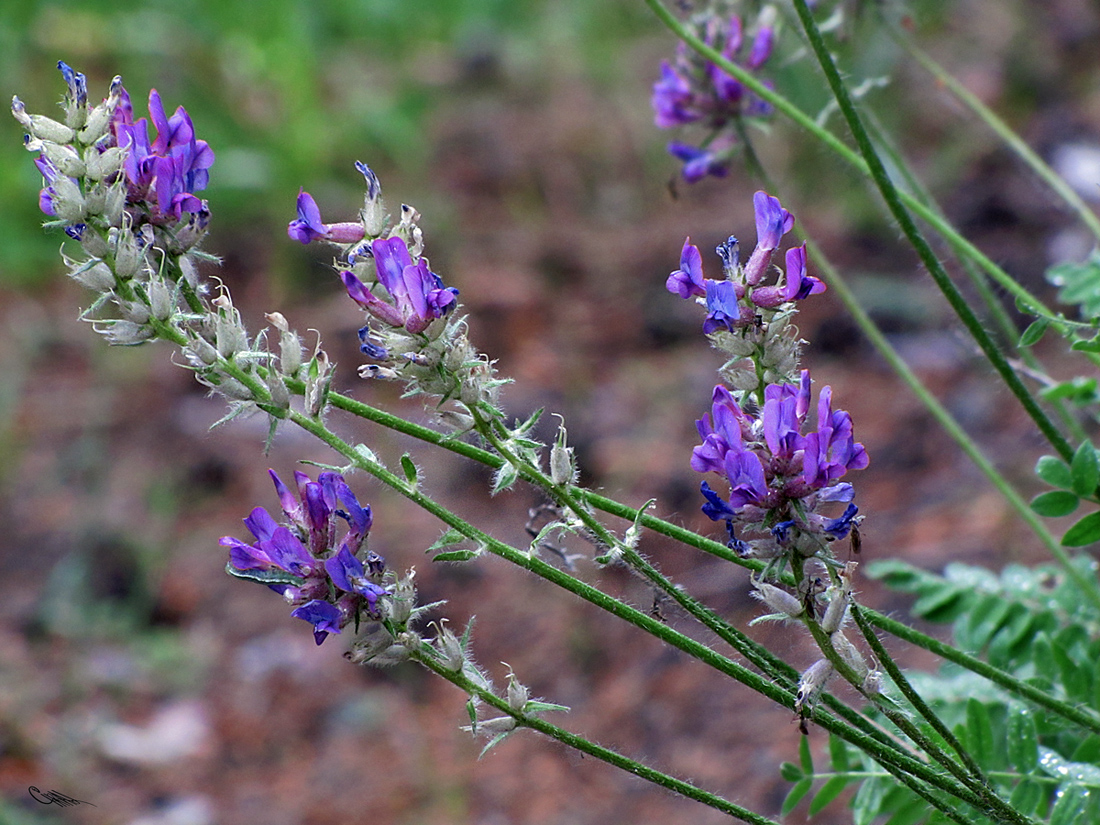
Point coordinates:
[(781, 472), (331, 582), (693, 91)]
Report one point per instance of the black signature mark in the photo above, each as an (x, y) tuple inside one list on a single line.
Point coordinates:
[(55, 798)]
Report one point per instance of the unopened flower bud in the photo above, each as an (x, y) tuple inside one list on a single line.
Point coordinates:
[(128, 255), (232, 388), (103, 164), (872, 683), (777, 599), (68, 200), (810, 685), (498, 724), (518, 695), (94, 275), (280, 396), (850, 654), (290, 345), (94, 244), (41, 127), (65, 158), (124, 333), (99, 118), (399, 607), (450, 649), (202, 351), (562, 468)]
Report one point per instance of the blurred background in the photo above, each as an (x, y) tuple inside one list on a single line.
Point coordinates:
[(136, 675)]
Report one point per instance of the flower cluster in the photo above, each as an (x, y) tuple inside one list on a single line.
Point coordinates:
[(412, 334), (163, 175), (747, 317), (779, 472), (756, 435), (693, 90), (332, 582)]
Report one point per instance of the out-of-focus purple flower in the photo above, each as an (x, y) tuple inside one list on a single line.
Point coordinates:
[(698, 162), (325, 617), (308, 226), (419, 296), (692, 90), (673, 101), (166, 172)]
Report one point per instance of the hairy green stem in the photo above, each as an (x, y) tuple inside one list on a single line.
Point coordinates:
[(579, 743), (1052, 179)]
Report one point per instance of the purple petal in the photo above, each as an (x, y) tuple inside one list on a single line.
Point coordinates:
[(324, 617)]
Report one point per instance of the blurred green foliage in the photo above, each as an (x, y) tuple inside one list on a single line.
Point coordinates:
[(287, 92)]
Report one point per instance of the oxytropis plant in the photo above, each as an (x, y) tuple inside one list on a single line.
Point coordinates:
[(776, 459)]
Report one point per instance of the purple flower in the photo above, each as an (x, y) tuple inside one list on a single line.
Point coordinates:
[(723, 309), (688, 279), (419, 296), (308, 226), (772, 223), (167, 172), (831, 451), (691, 90), (698, 162), (325, 617), (348, 573), (325, 579), (673, 100), (770, 463), (798, 284), (77, 83)]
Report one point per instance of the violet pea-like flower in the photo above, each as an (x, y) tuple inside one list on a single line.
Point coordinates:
[(772, 223), (831, 451), (798, 284), (699, 162), (324, 616), (419, 296), (348, 573), (308, 226), (688, 281)]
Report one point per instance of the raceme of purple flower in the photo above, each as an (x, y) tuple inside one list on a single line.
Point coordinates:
[(302, 559), (733, 303), (419, 296), (308, 226), (166, 172), (770, 462), (697, 91)]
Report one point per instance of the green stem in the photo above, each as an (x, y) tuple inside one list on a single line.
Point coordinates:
[(961, 245), (917, 241), (910, 693), (719, 550), (579, 743), (1062, 189), (888, 756), (1080, 716)]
